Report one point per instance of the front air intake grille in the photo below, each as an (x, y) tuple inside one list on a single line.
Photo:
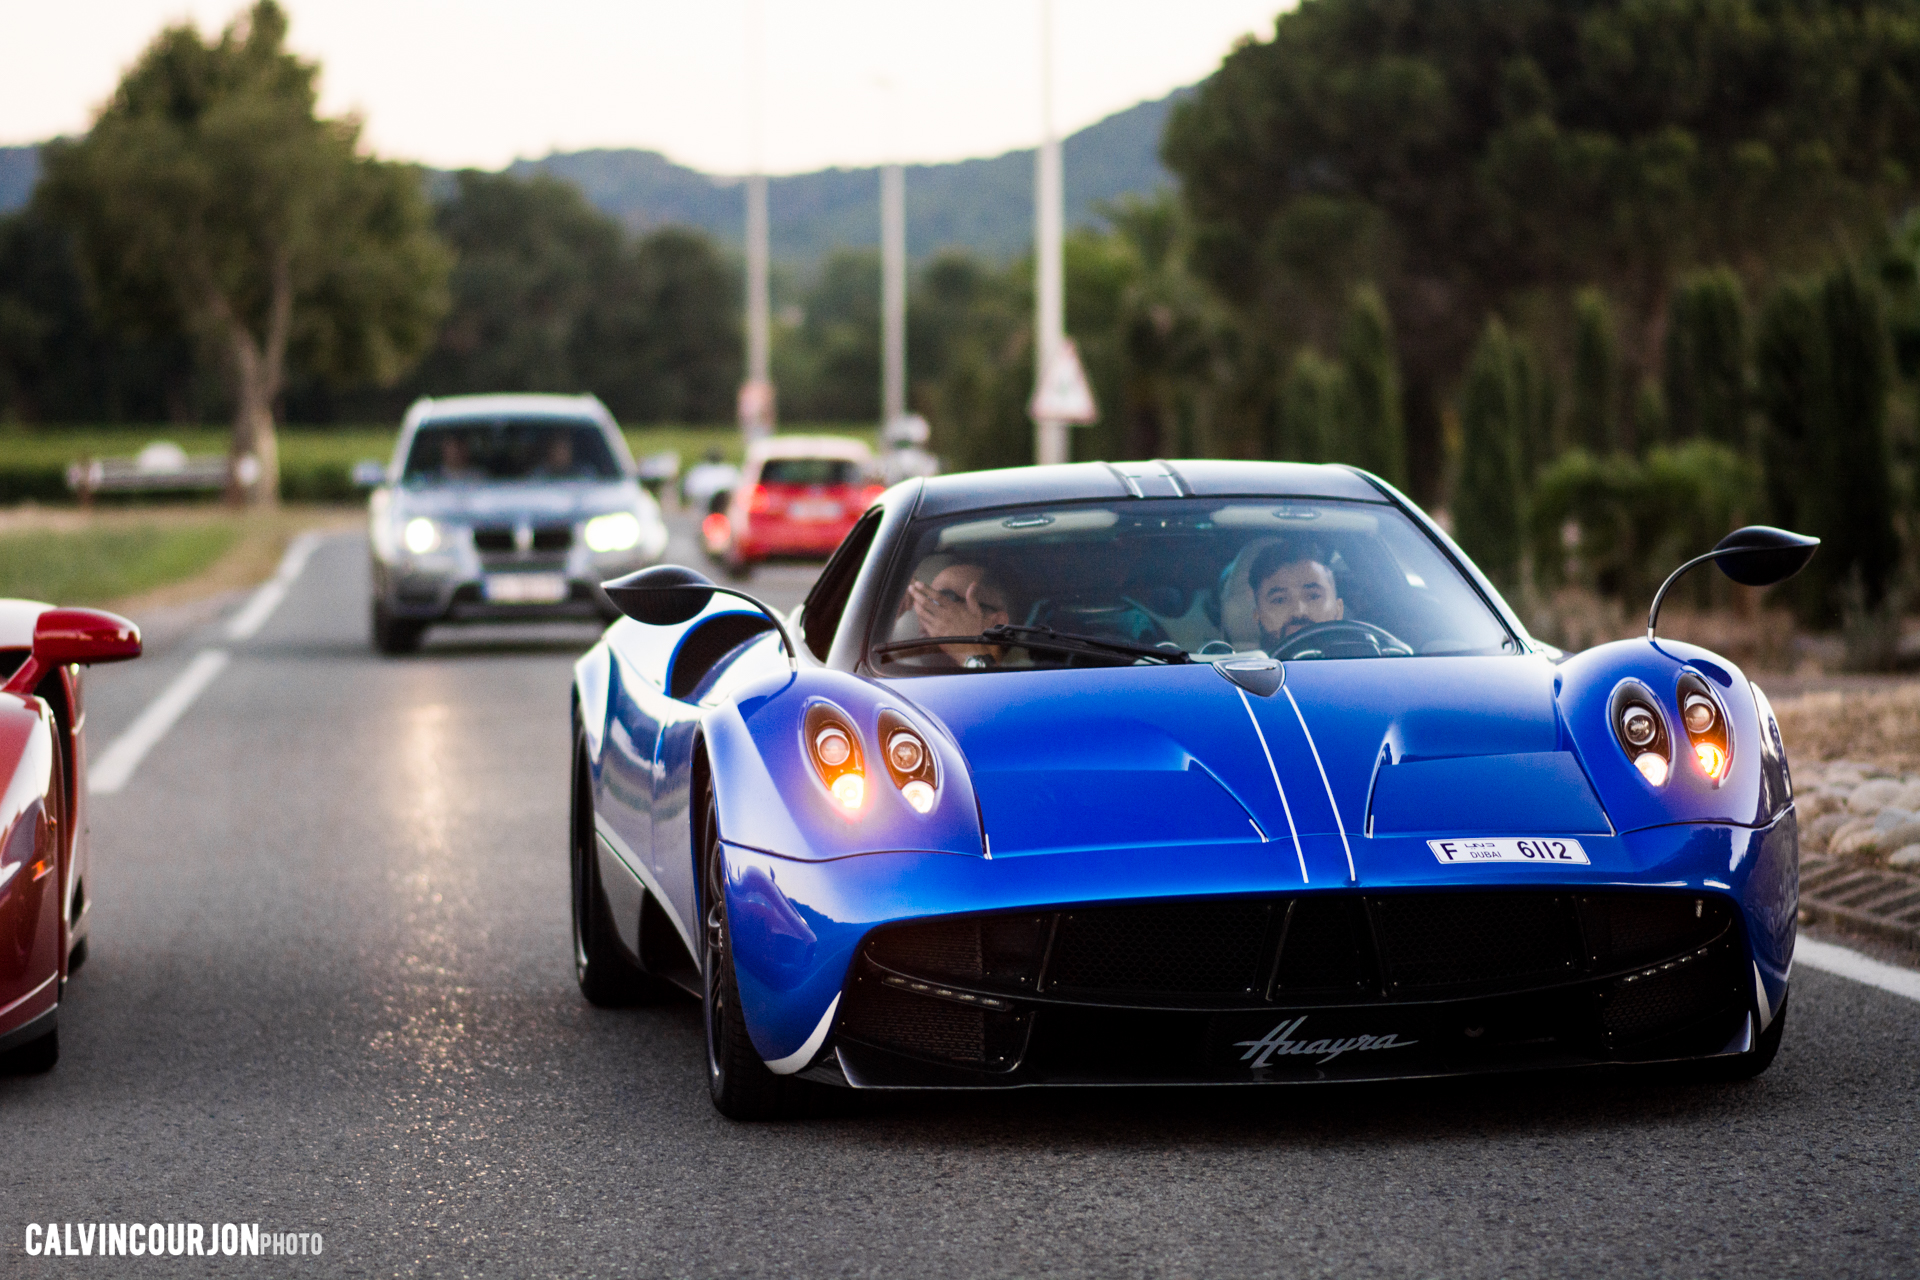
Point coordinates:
[(1171, 949), (932, 1027), (499, 538), (1433, 942), (1671, 996), (1321, 948), (493, 537)]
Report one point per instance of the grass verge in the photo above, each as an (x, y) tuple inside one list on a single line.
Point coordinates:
[(132, 559)]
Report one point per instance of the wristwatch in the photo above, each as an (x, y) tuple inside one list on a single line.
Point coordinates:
[(976, 662)]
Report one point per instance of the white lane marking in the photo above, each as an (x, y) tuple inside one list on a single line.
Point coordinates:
[(270, 593), (799, 1058), (1284, 806), (1352, 876), (1847, 963), (116, 764)]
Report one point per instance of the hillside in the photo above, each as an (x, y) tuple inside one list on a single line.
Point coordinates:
[(984, 205)]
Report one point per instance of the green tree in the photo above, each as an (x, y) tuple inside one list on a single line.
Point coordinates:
[(1371, 436), (1594, 415), (1852, 507), (1464, 152), (1705, 372), (1790, 375), (1489, 502), (208, 197), (1311, 408)]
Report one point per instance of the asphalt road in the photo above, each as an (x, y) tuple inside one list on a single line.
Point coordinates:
[(330, 992)]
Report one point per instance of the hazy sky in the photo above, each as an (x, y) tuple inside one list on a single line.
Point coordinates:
[(480, 82)]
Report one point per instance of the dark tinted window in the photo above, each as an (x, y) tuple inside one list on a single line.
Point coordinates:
[(487, 450), (820, 616), (809, 471)]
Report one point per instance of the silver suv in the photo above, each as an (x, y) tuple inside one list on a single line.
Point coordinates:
[(505, 507)]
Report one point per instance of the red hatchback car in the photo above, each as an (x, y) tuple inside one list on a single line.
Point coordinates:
[(797, 497)]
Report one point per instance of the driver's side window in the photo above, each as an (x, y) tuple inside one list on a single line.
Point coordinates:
[(820, 614)]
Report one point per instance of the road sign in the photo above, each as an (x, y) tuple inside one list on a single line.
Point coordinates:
[(1063, 394)]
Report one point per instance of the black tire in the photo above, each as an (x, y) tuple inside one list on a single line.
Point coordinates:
[(607, 976), (1747, 1065), (395, 636), (36, 1057), (739, 1082)]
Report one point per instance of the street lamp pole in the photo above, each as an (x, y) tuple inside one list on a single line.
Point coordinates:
[(756, 406), (893, 293), (1050, 435)]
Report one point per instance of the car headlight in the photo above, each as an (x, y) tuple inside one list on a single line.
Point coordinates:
[(835, 750), (421, 535), (1706, 726), (1642, 731), (616, 531), (909, 761)]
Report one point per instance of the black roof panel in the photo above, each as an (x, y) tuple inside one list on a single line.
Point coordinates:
[(1094, 481)]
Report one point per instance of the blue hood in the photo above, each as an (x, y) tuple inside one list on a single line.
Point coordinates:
[(1132, 756)]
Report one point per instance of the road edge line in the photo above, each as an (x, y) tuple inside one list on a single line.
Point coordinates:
[(1845, 962), (267, 597), (116, 764)]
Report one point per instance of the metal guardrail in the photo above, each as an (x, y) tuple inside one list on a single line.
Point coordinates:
[(1880, 904), (137, 475)]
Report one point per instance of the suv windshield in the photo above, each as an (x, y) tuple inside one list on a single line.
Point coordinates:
[(1195, 579), (488, 450)]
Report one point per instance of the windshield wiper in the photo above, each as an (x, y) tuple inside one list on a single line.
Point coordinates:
[(1042, 638)]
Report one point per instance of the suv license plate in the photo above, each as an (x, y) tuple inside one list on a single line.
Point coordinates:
[(524, 588)]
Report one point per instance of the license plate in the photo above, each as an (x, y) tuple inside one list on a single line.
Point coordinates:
[(816, 512), (1529, 849), (525, 588)]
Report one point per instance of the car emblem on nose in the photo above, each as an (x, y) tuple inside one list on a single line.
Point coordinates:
[(523, 537)]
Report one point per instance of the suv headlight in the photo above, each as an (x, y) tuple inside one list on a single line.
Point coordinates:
[(420, 535), (616, 531)]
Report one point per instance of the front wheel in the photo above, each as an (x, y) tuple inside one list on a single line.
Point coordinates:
[(741, 1086), (394, 636)]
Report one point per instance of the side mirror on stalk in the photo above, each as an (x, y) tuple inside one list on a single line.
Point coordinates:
[(1757, 556), (84, 636), (667, 595)]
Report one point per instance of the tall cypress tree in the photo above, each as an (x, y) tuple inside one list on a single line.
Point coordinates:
[(1595, 412), (1853, 486), (1706, 359), (1310, 407), (1489, 504), (1373, 437), (1790, 375)]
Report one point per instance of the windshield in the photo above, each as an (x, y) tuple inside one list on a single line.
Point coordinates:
[(488, 450), (1196, 579), (822, 471)]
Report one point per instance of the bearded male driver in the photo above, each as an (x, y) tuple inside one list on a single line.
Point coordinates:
[(1293, 589), (961, 600)]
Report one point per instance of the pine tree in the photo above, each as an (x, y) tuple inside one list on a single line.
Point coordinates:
[(1853, 488), (1373, 437), (1706, 359), (1789, 373), (1310, 408), (1595, 411), (1489, 506)]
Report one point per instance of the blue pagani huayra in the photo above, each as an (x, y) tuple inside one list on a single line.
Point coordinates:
[(1173, 773)]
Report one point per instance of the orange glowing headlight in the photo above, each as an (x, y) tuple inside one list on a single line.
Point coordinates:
[(1712, 759)]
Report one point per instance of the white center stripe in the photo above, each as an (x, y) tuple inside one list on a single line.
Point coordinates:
[(267, 597), (116, 764), (1845, 963)]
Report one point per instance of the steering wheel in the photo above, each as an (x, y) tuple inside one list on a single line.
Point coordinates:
[(1328, 639)]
